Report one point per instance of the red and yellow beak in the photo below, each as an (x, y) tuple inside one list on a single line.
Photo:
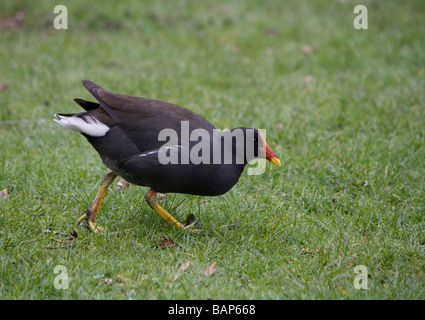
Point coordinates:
[(270, 155)]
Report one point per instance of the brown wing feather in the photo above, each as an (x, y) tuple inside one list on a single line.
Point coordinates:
[(142, 119)]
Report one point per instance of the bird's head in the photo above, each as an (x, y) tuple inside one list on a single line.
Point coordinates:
[(265, 151)]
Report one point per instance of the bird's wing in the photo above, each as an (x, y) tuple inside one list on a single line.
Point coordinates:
[(142, 119)]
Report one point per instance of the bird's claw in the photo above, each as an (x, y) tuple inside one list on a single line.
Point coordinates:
[(191, 223), (191, 229), (87, 221)]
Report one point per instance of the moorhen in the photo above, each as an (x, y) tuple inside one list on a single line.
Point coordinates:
[(163, 146)]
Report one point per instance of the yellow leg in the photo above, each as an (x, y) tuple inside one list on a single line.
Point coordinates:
[(151, 200), (90, 214)]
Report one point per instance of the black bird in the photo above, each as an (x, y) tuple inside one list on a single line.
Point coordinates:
[(163, 146)]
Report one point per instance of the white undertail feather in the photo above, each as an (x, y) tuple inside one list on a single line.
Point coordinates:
[(92, 127)]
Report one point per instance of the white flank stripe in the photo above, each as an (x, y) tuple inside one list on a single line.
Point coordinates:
[(157, 151), (93, 128)]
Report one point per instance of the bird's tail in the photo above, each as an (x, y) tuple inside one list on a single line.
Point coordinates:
[(83, 123)]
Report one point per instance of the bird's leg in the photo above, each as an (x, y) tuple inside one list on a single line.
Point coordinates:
[(151, 200), (89, 215), (122, 184)]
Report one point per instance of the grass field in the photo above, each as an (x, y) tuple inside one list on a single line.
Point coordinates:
[(343, 109)]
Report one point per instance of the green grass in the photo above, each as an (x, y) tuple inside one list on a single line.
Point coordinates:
[(300, 229)]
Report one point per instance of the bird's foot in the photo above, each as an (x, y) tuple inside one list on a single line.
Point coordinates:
[(150, 198), (191, 224), (88, 221), (187, 227), (191, 228)]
